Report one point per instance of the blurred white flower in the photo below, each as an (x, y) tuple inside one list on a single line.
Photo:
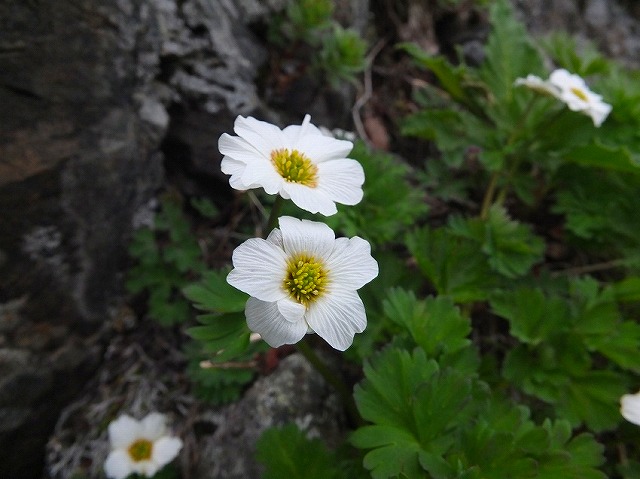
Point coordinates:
[(142, 447), (539, 85), (298, 163), (302, 279), (572, 90), (576, 94), (630, 407)]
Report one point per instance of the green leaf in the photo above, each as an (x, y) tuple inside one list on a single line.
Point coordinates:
[(415, 408), (224, 336), (511, 248), (452, 79), (533, 317), (597, 155), (435, 324), (455, 266), (509, 53), (287, 453), (213, 293)]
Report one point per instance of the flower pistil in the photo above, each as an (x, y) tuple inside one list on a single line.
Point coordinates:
[(295, 167), (141, 450), (305, 279)]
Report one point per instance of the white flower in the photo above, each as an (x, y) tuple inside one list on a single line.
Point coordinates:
[(572, 90), (141, 447), (539, 85), (630, 407), (576, 94), (302, 279), (298, 163)]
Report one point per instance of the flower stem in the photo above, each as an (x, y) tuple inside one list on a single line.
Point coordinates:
[(331, 378), (488, 196), (275, 213)]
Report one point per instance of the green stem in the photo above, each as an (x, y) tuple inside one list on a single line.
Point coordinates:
[(336, 382), (488, 196), (275, 213)]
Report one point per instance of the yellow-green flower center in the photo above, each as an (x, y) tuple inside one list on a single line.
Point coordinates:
[(306, 279), (295, 167), (579, 93), (141, 450)]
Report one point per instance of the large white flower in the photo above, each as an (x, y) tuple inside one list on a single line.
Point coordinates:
[(630, 407), (302, 279), (142, 447), (578, 97), (298, 163)]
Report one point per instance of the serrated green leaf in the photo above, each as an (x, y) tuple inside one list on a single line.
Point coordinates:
[(213, 293), (597, 155), (532, 316), (509, 53), (454, 265), (510, 246), (287, 453), (593, 399), (435, 324), (452, 79)]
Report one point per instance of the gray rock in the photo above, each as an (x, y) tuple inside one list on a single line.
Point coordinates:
[(294, 393)]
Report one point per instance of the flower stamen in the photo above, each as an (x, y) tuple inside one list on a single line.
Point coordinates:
[(295, 167), (579, 93), (141, 450), (305, 279)]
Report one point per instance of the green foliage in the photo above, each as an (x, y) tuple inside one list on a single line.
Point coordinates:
[(168, 257), (561, 336), (286, 452), (219, 384), (453, 264), (391, 202), (510, 247), (433, 422), (342, 55), (222, 339), (338, 53)]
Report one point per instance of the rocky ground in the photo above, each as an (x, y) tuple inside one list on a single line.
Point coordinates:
[(107, 104)]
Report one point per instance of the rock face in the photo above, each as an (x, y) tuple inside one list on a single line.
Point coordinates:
[(86, 88)]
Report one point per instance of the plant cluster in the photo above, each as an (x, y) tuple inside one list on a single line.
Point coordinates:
[(501, 337), (336, 52)]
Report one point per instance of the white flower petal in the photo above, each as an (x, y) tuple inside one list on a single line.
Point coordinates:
[(118, 464), (261, 135), (275, 237), (293, 132), (123, 431), (304, 236), (337, 317), (235, 168), (153, 426), (240, 149), (351, 264), (146, 468), (600, 112), (630, 408), (165, 450), (341, 180), (259, 269), (313, 200), (321, 148), (265, 319), (291, 310), (264, 174)]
